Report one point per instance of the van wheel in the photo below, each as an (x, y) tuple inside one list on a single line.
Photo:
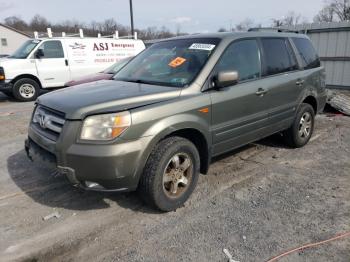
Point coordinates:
[(26, 89), (171, 174), (301, 131)]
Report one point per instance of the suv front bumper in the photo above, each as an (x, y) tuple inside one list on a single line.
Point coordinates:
[(100, 167)]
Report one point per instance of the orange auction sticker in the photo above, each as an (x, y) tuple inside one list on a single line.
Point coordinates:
[(177, 62)]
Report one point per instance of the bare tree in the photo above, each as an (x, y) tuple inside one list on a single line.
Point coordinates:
[(39, 23), (16, 22), (341, 9), (335, 10), (327, 14), (245, 25), (290, 19), (107, 27)]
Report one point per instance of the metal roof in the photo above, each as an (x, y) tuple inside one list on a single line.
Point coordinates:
[(15, 30)]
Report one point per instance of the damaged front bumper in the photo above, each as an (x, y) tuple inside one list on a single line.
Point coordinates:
[(107, 167)]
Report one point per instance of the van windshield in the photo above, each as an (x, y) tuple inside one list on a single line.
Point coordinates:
[(170, 63), (25, 49)]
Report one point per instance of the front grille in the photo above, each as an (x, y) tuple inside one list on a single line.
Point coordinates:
[(48, 122)]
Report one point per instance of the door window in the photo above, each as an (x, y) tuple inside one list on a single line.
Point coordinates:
[(52, 49), (243, 57), (278, 56), (307, 53)]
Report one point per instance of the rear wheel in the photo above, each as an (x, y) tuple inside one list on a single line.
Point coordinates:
[(301, 131), (26, 89), (170, 174)]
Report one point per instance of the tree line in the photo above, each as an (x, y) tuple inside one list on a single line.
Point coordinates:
[(332, 11), (107, 27)]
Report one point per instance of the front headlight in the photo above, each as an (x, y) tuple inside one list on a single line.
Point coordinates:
[(105, 127)]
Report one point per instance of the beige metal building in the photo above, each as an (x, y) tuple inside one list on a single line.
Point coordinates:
[(10, 39)]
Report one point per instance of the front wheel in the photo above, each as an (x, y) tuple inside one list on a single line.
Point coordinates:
[(301, 131), (26, 89), (170, 174)]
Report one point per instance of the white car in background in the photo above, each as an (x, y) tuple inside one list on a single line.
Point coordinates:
[(51, 62)]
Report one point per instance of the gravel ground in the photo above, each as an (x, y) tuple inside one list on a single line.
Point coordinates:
[(257, 202)]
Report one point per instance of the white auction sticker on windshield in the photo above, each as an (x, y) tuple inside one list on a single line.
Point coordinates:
[(199, 46)]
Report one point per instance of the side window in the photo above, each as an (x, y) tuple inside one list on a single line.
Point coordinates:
[(279, 57), (242, 56), (4, 41), (307, 53), (52, 49)]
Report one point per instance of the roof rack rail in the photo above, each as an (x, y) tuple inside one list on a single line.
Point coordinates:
[(49, 34), (272, 29)]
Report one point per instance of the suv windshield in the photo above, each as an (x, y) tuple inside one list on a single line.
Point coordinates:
[(25, 49), (170, 63)]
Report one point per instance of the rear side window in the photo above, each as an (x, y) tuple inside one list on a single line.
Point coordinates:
[(52, 49), (243, 57), (307, 53), (278, 56)]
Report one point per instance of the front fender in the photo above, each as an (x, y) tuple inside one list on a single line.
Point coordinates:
[(164, 128)]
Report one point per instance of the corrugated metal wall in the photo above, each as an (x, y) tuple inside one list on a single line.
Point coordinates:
[(332, 41)]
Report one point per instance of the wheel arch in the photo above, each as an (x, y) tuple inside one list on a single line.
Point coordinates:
[(30, 76), (311, 100), (201, 143)]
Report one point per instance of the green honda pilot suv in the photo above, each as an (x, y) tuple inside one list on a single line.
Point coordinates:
[(156, 126)]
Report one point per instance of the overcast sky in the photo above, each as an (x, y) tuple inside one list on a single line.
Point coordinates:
[(188, 15)]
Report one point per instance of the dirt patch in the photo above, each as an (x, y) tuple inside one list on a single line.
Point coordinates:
[(256, 202)]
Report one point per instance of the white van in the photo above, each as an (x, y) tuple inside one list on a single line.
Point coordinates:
[(51, 62)]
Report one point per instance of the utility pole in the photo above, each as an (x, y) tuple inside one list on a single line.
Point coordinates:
[(131, 18)]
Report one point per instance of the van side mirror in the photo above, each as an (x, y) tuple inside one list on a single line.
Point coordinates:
[(39, 53), (225, 79)]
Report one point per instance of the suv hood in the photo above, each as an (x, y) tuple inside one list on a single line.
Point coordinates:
[(105, 96)]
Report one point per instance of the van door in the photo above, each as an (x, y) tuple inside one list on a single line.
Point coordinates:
[(239, 112), (51, 64)]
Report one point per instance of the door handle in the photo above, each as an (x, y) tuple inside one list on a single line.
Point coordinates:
[(300, 82), (261, 92), (66, 61)]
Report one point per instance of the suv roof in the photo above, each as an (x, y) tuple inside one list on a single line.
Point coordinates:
[(236, 35)]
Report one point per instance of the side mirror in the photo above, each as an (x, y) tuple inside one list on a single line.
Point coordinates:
[(39, 53), (225, 79)]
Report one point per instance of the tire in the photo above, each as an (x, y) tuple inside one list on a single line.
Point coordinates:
[(299, 134), (26, 89), (163, 171)]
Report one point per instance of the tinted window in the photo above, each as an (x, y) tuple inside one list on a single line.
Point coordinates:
[(242, 56), (52, 49), (307, 53), (279, 57)]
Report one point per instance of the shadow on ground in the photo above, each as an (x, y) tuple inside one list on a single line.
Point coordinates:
[(46, 187)]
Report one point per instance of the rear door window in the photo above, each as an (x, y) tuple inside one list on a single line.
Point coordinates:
[(278, 56), (307, 53), (52, 49), (242, 56)]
